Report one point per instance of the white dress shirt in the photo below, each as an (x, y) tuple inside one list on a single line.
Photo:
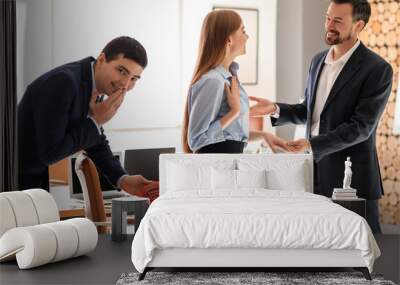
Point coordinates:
[(207, 104), (329, 74)]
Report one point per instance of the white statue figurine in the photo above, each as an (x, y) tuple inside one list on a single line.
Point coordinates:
[(347, 174)]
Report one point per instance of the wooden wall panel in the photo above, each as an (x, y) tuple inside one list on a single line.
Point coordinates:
[(382, 35)]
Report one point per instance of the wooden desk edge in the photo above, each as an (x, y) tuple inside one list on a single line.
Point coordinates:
[(72, 213)]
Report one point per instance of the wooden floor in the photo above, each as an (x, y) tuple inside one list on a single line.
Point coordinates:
[(111, 259)]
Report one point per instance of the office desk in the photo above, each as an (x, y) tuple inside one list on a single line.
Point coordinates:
[(72, 213)]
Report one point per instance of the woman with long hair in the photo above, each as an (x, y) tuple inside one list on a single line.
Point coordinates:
[(216, 118)]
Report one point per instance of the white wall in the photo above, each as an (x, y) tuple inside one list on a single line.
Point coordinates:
[(83, 28), (34, 41), (289, 56), (53, 32), (193, 13), (300, 35)]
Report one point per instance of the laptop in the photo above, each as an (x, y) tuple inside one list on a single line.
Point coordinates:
[(145, 161)]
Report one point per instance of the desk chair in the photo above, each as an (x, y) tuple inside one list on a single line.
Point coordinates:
[(91, 189), (93, 197)]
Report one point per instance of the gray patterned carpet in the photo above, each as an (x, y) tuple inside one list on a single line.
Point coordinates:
[(243, 278)]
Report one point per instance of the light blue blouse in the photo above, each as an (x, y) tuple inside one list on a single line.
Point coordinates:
[(207, 104)]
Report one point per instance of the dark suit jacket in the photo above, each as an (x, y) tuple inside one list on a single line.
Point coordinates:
[(53, 123), (348, 121)]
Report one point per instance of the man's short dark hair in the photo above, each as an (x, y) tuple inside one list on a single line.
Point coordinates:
[(128, 47), (361, 9)]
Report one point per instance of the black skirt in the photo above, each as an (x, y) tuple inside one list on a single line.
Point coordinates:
[(223, 147)]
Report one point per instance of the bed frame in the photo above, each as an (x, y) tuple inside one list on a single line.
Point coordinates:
[(245, 258), (242, 259)]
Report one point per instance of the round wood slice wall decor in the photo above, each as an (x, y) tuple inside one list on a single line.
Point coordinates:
[(382, 35)]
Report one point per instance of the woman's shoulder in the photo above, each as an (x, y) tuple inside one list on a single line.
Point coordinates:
[(211, 79)]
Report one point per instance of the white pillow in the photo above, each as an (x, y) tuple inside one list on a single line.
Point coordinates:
[(282, 173), (226, 179), (223, 179), (182, 177), (251, 178), (194, 174), (294, 180)]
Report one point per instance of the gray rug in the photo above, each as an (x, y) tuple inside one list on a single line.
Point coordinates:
[(242, 278)]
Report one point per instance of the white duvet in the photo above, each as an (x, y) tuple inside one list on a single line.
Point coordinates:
[(252, 218)]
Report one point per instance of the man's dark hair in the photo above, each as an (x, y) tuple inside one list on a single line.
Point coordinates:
[(128, 47), (361, 9)]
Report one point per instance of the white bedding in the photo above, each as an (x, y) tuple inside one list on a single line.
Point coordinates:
[(251, 218)]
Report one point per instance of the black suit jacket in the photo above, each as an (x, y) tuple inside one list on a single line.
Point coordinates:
[(348, 121), (53, 123)]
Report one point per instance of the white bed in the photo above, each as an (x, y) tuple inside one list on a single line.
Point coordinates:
[(247, 211)]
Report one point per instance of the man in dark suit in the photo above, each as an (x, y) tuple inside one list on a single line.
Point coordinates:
[(62, 112), (347, 89)]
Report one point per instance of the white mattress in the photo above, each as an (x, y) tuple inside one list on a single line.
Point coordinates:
[(253, 218)]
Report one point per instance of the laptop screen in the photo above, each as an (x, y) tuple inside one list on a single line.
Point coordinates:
[(145, 161)]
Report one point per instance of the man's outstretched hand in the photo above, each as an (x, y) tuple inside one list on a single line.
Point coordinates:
[(262, 107), (297, 146), (275, 143), (134, 184)]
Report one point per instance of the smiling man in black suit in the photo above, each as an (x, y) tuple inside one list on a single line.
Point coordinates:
[(62, 112), (347, 90)]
